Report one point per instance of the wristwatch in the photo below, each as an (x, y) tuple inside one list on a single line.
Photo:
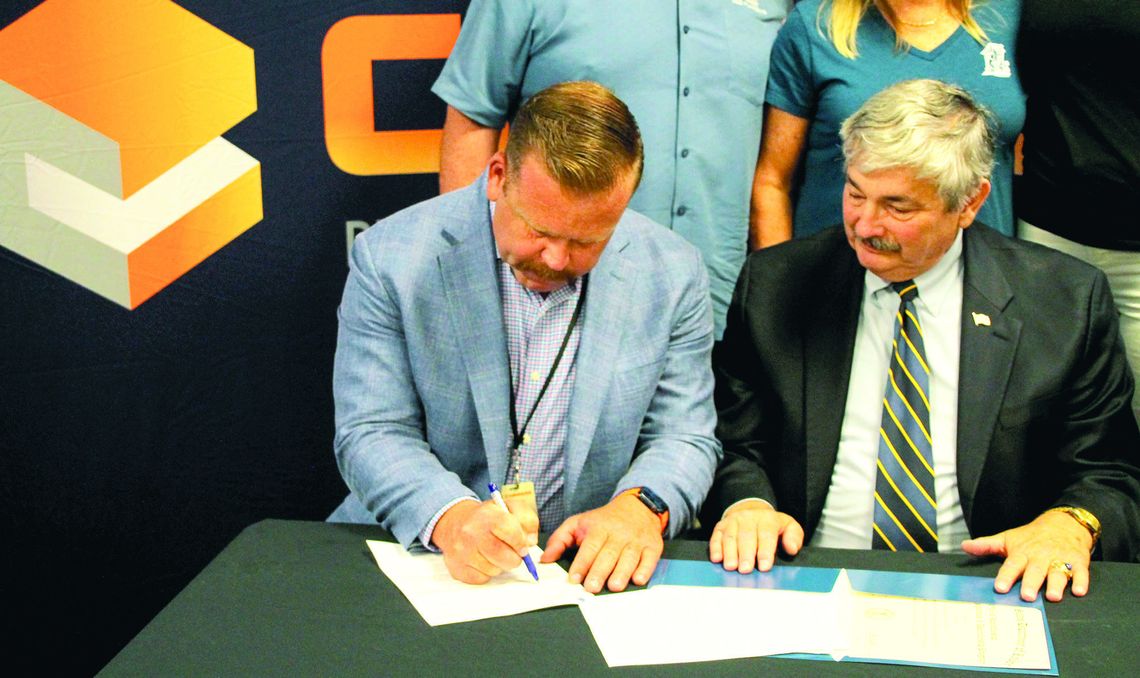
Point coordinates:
[(652, 502), (1082, 516)]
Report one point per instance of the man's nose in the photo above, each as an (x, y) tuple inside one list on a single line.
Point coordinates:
[(868, 220), (556, 254)]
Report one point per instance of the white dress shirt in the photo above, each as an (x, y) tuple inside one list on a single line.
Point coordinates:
[(849, 509)]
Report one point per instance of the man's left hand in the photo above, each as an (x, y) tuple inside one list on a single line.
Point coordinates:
[(616, 543), (1034, 553)]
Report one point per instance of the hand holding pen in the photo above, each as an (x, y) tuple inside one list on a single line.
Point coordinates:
[(498, 498), (480, 540)]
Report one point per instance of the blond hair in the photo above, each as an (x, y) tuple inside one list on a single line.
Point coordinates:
[(585, 136), (844, 17)]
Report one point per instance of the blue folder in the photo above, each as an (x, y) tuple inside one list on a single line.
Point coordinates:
[(822, 580)]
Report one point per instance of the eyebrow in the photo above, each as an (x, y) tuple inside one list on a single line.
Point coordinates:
[(896, 199), (547, 234)]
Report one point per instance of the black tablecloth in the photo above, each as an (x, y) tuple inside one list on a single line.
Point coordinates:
[(293, 598)]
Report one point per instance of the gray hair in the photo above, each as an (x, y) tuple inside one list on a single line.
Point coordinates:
[(932, 127)]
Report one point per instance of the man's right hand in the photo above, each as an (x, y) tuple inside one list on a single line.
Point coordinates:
[(481, 540), (748, 533)]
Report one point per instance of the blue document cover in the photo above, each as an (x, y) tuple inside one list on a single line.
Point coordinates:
[(822, 580)]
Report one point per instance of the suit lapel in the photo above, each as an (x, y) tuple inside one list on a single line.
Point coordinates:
[(602, 328), (471, 287), (989, 342), (829, 343)]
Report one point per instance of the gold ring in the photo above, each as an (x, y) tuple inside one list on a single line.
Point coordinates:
[(1062, 567)]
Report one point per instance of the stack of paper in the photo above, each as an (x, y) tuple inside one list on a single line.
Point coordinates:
[(706, 614), (842, 623)]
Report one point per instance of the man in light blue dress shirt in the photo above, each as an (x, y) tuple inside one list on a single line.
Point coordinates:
[(551, 337), (693, 72)]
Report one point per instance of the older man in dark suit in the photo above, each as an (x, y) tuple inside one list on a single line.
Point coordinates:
[(904, 383)]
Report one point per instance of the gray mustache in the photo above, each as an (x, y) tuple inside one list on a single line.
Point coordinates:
[(881, 244)]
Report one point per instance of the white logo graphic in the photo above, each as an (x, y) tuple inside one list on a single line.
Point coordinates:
[(753, 5), (996, 63)]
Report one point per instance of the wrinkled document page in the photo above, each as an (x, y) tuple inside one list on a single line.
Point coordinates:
[(727, 623), (424, 580)]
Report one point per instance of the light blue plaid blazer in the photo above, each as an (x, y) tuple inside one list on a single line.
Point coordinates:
[(421, 379)]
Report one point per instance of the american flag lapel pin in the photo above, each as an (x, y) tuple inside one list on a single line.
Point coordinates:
[(980, 319)]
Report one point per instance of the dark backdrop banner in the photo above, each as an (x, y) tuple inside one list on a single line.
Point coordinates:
[(179, 183)]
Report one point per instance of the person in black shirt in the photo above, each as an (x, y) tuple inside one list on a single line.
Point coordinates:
[(1082, 143)]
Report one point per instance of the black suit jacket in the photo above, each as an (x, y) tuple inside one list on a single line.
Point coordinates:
[(1044, 415)]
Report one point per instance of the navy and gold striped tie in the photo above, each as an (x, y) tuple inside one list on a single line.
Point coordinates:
[(905, 505)]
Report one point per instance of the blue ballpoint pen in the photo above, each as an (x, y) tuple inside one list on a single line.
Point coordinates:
[(503, 505)]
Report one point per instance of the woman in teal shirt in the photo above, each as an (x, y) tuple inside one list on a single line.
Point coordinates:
[(832, 55)]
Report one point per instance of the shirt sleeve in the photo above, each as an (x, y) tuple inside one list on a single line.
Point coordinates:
[(483, 76), (429, 529), (791, 82)]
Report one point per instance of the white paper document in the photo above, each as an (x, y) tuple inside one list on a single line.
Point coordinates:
[(906, 630), (424, 580), (700, 623), (713, 623)]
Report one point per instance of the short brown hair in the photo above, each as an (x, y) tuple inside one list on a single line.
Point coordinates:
[(583, 133)]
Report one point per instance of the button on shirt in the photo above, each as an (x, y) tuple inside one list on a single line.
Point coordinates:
[(693, 72), (536, 325), (849, 509)]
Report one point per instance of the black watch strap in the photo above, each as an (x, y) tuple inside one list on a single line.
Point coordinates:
[(652, 501)]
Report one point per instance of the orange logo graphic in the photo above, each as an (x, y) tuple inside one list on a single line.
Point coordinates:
[(349, 49), (113, 173)]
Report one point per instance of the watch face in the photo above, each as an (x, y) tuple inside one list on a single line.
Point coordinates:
[(650, 499)]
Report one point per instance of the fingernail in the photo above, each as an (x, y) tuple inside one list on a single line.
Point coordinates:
[(765, 565), (575, 578)]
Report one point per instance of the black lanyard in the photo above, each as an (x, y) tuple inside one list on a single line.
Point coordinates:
[(517, 432)]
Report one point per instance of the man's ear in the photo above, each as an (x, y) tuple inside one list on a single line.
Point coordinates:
[(970, 211), (496, 176)]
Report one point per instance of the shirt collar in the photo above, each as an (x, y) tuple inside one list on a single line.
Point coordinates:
[(933, 286)]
